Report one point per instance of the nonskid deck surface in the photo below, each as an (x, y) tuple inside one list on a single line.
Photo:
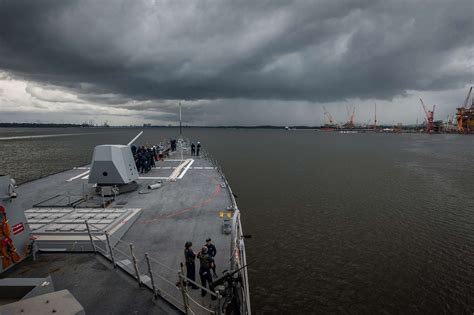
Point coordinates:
[(94, 283), (186, 208), (183, 210)]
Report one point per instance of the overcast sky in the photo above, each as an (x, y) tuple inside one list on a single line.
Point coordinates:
[(233, 62)]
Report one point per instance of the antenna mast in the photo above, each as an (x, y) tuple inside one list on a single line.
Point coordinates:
[(180, 129), (375, 118)]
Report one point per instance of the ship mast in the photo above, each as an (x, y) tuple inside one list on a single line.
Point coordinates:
[(180, 128), (375, 118)]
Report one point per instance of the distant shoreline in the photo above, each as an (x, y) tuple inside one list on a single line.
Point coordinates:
[(52, 125), (85, 126)]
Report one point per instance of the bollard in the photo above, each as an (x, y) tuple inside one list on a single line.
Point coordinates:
[(110, 249), (90, 236), (183, 289), (151, 276), (135, 266)]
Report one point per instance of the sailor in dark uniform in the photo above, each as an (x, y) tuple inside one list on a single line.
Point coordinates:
[(143, 163), (211, 251), (198, 148), (173, 145), (206, 263), (190, 258)]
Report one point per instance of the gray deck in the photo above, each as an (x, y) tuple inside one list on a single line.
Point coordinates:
[(183, 210), (94, 283)]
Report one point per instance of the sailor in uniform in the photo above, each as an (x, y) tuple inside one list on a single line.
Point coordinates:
[(190, 257), (206, 263), (211, 251)]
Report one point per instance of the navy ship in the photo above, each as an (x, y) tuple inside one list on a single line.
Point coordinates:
[(106, 239)]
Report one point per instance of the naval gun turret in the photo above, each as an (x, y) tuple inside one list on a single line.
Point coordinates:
[(113, 169)]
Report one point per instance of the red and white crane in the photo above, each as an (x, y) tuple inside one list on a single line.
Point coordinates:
[(328, 115), (429, 117)]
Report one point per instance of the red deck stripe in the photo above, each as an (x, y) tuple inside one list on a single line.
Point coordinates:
[(196, 206)]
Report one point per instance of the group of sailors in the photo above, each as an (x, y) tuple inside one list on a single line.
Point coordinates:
[(195, 149), (206, 264), (145, 157)]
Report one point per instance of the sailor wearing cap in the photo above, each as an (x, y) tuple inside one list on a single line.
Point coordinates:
[(190, 257), (211, 251), (205, 269)]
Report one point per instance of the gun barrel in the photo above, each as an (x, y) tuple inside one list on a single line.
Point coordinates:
[(227, 275), (136, 137)]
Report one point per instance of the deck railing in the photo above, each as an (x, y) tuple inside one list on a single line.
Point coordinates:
[(238, 258), (163, 281)]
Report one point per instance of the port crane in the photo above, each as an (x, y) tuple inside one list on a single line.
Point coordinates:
[(350, 123), (464, 114), (466, 101), (448, 124), (429, 117), (328, 115)]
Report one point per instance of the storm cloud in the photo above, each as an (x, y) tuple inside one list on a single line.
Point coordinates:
[(258, 56)]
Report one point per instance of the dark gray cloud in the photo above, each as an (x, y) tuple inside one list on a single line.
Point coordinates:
[(321, 50), (137, 55)]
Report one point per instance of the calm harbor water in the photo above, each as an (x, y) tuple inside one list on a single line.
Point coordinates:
[(346, 223)]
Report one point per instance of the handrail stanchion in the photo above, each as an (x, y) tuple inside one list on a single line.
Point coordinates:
[(151, 275), (90, 236), (219, 302), (110, 249), (183, 289), (135, 265)]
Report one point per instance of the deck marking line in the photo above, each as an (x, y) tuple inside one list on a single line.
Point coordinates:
[(176, 172), (186, 169), (76, 177)]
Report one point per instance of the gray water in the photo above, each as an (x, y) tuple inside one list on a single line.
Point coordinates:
[(346, 223)]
